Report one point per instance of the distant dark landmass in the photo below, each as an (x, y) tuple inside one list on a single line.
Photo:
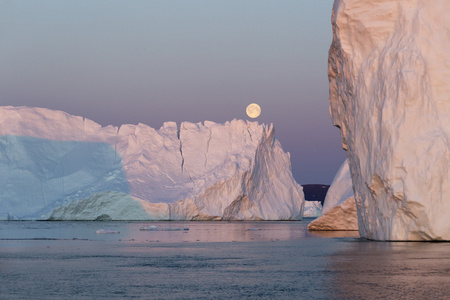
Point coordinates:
[(315, 192)]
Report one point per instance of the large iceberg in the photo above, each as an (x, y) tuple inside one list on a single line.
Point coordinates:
[(389, 71), (62, 167)]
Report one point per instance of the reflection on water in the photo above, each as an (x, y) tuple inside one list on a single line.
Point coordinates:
[(218, 232), (415, 270), (335, 234), (223, 260)]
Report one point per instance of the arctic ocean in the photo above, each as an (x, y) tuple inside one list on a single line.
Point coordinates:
[(212, 260)]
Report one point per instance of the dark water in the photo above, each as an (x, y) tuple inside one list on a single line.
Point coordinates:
[(213, 260)]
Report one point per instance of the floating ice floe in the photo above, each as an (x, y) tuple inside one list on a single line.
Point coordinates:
[(156, 228), (107, 231)]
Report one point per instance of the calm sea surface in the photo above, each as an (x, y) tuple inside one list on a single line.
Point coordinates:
[(213, 260)]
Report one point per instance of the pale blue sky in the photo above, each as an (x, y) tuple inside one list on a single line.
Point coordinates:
[(152, 61)]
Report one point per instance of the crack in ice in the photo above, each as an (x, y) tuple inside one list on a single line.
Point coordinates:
[(207, 148)]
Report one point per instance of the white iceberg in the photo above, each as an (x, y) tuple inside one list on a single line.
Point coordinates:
[(340, 189), (62, 167), (339, 208), (389, 68), (312, 209)]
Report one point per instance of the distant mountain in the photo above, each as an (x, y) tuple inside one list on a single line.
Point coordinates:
[(315, 192)]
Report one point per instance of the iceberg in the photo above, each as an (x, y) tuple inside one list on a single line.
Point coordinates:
[(312, 209), (389, 68), (340, 189), (339, 208), (57, 166), (341, 217)]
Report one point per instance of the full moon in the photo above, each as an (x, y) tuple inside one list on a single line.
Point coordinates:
[(253, 110)]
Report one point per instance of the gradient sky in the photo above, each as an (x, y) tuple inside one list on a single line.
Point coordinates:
[(152, 61)]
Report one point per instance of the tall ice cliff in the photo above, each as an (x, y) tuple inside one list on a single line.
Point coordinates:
[(62, 167), (389, 72)]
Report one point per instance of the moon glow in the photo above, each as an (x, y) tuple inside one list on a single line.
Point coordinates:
[(253, 110)]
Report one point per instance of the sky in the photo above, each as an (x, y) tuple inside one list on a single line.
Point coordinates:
[(151, 61)]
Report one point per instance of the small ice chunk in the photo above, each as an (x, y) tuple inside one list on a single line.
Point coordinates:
[(155, 228), (151, 227), (107, 231)]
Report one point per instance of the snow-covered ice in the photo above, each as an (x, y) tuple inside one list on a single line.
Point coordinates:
[(62, 167), (389, 68)]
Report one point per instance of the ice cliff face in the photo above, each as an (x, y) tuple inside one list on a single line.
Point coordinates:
[(58, 166), (339, 208), (389, 68)]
